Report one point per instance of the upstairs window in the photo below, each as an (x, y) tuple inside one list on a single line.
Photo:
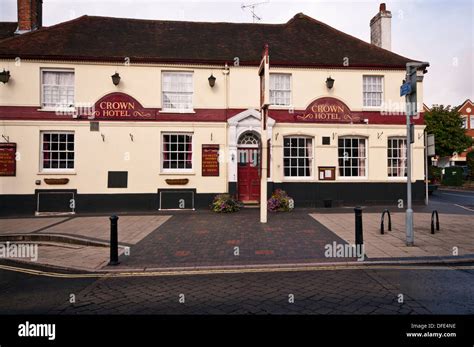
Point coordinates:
[(177, 90), (373, 91), (57, 89), (280, 89)]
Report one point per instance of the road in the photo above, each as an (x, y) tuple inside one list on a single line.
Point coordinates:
[(454, 201), (349, 291)]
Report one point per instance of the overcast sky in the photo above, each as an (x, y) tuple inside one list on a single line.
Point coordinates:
[(440, 32)]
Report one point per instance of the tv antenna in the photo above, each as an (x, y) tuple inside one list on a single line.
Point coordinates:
[(251, 7)]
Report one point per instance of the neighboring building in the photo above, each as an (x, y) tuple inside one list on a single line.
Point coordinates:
[(181, 123), (467, 113)]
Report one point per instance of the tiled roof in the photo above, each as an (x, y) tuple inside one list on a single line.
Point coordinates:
[(7, 29), (302, 41)]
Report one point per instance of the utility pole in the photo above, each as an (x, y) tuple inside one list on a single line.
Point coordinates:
[(264, 74), (408, 89)]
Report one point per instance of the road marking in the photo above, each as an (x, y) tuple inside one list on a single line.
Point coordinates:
[(461, 195), (231, 271), (464, 207)]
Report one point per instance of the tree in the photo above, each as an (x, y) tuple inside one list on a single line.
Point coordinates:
[(446, 125)]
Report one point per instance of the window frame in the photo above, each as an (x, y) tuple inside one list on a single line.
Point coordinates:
[(44, 170), (366, 166), (312, 158), (382, 92), (395, 137), (164, 170), (56, 108), (176, 110), (290, 98)]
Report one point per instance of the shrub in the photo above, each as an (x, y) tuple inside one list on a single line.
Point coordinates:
[(280, 202), (434, 174), (225, 203)]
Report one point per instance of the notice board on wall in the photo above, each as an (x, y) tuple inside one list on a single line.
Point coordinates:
[(7, 159), (327, 173), (210, 160)]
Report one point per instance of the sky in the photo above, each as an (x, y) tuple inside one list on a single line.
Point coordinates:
[(440, 32)]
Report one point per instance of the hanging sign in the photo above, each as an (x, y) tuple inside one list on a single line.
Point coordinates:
[(120, 106)]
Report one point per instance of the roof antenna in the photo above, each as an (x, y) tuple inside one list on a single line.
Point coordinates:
[(251, 7)]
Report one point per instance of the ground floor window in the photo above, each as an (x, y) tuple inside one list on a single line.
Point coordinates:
[(297, 156), (177, 151), (397, 157), (352, 155), (57, 150)]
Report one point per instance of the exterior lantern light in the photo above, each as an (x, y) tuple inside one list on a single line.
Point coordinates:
[(329, 82), (212, 80), (4, 76), (115, 79)]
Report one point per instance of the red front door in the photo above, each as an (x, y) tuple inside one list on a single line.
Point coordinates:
[(248, 174)]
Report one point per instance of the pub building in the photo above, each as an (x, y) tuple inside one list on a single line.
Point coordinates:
[(104, 114)]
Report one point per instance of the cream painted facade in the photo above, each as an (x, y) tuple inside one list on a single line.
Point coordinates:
[(95, 154)]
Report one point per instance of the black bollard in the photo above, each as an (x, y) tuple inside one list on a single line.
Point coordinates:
[(359, 238), (114, 240)]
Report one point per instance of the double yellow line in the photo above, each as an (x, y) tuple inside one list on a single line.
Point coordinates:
[(192, 272)]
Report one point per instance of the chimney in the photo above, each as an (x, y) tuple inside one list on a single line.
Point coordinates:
[(30, 15), (381, 28)]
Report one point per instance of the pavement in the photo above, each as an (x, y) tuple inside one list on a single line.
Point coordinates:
[(203, 239)]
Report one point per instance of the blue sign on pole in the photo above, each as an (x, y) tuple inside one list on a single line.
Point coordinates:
[(405, 89)]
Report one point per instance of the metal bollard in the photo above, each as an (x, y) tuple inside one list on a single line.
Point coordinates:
[(435, 212), (382, 221), (359, 238), (113, 240)]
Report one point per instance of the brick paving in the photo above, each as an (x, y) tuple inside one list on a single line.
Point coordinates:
[(319, 292), (206, 239), (455, 231)]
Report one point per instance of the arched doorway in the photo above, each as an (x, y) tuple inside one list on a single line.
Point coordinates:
[(248, 167)]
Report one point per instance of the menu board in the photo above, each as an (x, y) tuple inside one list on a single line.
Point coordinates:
[(210, 160), (7, 159), (327, 173)]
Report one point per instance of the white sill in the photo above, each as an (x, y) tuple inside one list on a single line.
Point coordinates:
[(301, 178), (280, 107), (58, 172), (397, 178), (54, 109), (177, 172), (355, 178), (177, 111)]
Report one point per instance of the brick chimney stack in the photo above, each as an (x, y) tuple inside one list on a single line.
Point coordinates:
[(30, 15), (381, 28)]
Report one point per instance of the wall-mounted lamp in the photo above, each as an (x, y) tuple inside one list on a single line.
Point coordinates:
[(329, 82), (4, 76), (115, 79), (212, 80)]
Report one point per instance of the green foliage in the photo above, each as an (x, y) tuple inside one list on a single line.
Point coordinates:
[(225, 203), (470, 163), (453, 176), (446, 125), (434, 174)]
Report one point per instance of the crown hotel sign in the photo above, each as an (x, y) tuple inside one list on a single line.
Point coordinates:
[(120, 106), (326, 110)]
